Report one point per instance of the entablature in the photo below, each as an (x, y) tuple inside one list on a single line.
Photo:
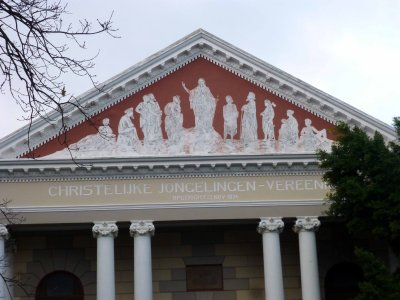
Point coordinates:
[(23, 170)]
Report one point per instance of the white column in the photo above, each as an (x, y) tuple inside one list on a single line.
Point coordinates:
[(270, 228), (306, 227), (105, 232), (9, 267), (3, 237), (142, 231)]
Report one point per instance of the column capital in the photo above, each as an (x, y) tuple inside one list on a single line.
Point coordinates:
[(306, 224), (270, 224), (4, 232), (141, 227), (104, 229)]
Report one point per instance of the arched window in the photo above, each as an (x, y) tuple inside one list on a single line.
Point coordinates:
[(60, 285), (341, 281)]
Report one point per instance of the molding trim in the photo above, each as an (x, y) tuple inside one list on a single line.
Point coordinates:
[(27, 170), (183, 205)]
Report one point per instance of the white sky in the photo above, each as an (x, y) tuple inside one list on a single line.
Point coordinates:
[(349, 49)]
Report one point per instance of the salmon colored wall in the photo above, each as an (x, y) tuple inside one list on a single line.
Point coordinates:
[(221, 83)]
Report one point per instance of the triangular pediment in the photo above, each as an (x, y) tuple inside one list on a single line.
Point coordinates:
[(140, 102)]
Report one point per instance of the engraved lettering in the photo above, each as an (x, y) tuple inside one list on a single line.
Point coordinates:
[(289, 185), (299, 185), (279, 185)]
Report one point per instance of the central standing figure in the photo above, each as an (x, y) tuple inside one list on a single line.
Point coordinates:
[(150, 119), (203, 104)]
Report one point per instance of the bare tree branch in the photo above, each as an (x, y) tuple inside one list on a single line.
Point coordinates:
[(7, 215), (34, 56)]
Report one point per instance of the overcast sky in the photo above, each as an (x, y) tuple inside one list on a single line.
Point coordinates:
[(348, 49)]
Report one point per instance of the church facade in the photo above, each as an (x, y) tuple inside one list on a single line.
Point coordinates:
[(191, 175)]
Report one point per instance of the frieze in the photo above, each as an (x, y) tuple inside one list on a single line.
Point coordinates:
[(261, 189)]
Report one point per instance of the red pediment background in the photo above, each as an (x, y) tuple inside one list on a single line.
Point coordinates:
[(221, 82)]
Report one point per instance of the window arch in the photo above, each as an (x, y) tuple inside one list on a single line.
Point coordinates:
[(60, 285), (341, 281)]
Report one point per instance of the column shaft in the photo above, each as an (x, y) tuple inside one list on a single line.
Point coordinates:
[(3, 237), (9, 268), (105, 232), (142, 231), (270, 229), (142, 265), (306, 227)]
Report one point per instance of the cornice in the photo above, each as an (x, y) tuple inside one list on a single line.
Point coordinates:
[(199, 44), (27, 170)]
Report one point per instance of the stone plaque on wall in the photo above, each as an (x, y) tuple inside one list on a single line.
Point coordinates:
[(204, 277)]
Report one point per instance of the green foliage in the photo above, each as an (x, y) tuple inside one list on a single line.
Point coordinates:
[(396, 122), (364, 174), (379, 283)]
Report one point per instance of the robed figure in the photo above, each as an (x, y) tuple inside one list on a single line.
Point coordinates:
[(289, 132), (127, 135), (174, 120), (203, 104), (230, 114), (292, 129), (248, 132), (150, 118), (312, 139), (268, 116)]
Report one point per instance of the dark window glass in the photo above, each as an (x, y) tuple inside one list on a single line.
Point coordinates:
[(60, 285), (341, 281)]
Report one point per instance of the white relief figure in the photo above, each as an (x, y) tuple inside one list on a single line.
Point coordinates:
[(312, 139), (106, 135), (230, 114), (268, 116), (174, 120), (203, 104), (105, 130), (150, 119), (283, 137), (289, 132), (293, 129), (143, 109), (103, 140), (127, 135), (248, 129), (156, 117)]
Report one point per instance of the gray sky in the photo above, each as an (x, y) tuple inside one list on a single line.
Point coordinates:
[(349, 49)]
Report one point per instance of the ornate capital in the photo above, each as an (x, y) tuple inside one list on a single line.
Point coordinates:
[(306, 224), (272, 224), (103, 229), (4, 232), (141, 228)]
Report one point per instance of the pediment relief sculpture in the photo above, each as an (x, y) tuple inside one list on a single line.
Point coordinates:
[(239, 136)]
